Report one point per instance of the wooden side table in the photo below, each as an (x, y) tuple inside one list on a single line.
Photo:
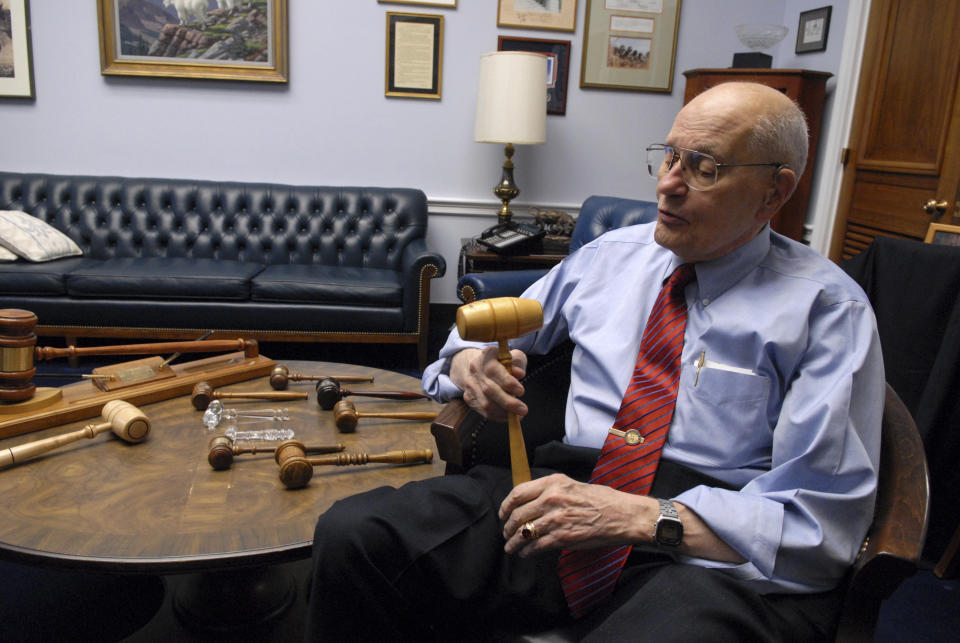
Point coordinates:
[(476, 258)]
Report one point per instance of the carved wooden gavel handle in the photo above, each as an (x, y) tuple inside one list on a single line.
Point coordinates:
[(248, 346), (296, 470), (280, 376), (124, 419), (203, 394), (329, 392), (345, 415), (223, 449)]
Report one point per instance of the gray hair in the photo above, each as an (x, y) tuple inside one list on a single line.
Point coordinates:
[(782, 136)]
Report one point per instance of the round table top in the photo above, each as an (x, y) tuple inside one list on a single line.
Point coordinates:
[(159, 506)]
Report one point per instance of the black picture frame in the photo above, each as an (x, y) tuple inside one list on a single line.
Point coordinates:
[(558, 66), (812, 30), (398, 82)]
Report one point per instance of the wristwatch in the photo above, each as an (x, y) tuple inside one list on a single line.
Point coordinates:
[(668, 530)]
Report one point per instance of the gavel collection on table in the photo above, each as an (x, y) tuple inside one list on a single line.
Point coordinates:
[(490, 320)]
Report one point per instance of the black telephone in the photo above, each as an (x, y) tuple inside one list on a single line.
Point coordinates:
[(511, 238)]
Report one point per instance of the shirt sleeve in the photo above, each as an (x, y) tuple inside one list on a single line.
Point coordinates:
[(801, 523)]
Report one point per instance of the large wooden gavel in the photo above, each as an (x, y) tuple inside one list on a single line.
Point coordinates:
[(19, 352), (222, 450), (203, 394), (281, 376), (329, 392), (497, 320), (124, 419), (346, 416), (296, 468)]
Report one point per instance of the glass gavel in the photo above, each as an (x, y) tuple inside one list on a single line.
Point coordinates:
[(216, 413)]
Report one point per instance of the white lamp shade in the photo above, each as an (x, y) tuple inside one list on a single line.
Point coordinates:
[(512, 98)]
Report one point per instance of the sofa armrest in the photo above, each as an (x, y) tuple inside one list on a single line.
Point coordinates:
[(503, 283)]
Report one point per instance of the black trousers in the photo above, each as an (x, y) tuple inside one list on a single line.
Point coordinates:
[(426, 563)]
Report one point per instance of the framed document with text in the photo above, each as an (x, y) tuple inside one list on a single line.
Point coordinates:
[(414, 55)]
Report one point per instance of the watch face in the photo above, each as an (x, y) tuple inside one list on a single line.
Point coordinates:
[(669, 532)]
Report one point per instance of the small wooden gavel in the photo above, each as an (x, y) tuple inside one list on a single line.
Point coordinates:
[(124, 419), (222, 450), (329, 392), (203, 394), (345, 415), (296, 468), (280, 376)]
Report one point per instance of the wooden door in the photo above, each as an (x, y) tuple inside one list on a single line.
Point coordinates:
[(904, 149)]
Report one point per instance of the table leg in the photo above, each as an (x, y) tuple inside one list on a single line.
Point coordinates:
[(223, 601)]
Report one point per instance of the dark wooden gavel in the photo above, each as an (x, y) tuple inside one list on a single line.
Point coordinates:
[(346, 416), (125, 420), (222, 450), (203, 394), (329, 392), (281, 376), (296, 468)]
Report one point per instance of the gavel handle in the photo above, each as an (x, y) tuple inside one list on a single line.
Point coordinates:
[(205, 346), (406, 456), (19, 453), (401, 415), (519, 465), (263, 395), (316, 448), (389, 395)]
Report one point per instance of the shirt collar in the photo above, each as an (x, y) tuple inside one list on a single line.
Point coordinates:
[(714, 277)]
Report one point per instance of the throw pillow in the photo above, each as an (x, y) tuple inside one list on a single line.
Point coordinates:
[(32, 239), (6, 255)]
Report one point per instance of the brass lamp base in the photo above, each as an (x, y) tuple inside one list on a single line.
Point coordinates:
[(506, 189)]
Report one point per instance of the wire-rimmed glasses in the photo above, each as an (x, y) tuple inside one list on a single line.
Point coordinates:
[(700, 170)]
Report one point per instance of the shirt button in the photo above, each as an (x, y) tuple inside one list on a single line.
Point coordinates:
[(705, 301)]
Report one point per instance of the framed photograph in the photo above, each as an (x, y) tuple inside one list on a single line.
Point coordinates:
[(414, 55), (213, 39), (630, 44), (942, 234), (558, 66), (813, 29), (555, 15), (429, 3), (16, 55)]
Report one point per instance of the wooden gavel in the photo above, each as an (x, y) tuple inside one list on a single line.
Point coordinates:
[(19, 352), (222, 450), (296, 468), (329, 392), (345, 415), (203, 394), (124, 419), (497, 320), (281, 376)]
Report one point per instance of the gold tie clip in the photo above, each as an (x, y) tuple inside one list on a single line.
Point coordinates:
[(631, 437)]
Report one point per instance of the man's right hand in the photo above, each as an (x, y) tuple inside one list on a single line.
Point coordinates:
[(487, 386)]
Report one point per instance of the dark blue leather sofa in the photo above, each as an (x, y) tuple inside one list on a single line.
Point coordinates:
[(172, 259), (598, 214)]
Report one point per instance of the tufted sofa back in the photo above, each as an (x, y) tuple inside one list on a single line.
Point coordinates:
[(256, 222), (600, 214)]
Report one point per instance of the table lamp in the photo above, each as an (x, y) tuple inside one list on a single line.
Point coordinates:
[(511, 109)]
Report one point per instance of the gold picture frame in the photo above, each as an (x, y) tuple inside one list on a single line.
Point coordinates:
[(430, 3), (16, 54), (630, 44), (942, 234), (555, 15), (414, 65), (204, 49)]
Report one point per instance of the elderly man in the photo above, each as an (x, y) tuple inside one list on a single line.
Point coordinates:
[(706, 344)]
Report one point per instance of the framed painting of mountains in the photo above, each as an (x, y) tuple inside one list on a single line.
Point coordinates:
[(212, 39)]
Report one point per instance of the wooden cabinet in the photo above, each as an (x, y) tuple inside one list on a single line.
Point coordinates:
[(808, 89)]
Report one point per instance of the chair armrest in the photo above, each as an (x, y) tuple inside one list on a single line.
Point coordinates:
[(501, 283)]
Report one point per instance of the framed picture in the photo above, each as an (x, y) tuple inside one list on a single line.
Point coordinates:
[(942, 234), (16, 55), (630, 44), (556, 15), (214, 39), (414, 55), (813, 29), (558, 66), (430, 3)]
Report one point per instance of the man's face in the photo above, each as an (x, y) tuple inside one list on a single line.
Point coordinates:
[(704, 225)]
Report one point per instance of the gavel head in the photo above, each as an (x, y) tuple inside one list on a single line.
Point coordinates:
[(279, 377), (328, 393), (17, 343), (499, 318), (295, 469), (220, 456), (126, 421), (202, 395), (345, 416)]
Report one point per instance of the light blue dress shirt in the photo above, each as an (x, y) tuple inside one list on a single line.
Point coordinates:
[(787, 403)]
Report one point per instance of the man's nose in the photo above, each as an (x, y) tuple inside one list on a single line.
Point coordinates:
[(671, 181)]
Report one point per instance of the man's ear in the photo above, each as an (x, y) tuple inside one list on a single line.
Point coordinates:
[(784, 183)]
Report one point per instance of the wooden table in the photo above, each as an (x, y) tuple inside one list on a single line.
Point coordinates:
[(477, 258), (159, 507)]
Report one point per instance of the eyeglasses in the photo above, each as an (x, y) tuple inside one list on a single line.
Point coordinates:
[(700, 171)]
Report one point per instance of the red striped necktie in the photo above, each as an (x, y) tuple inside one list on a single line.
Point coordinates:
[(631, 452)]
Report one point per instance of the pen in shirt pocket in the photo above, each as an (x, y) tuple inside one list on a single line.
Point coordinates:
[(703, 362)]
